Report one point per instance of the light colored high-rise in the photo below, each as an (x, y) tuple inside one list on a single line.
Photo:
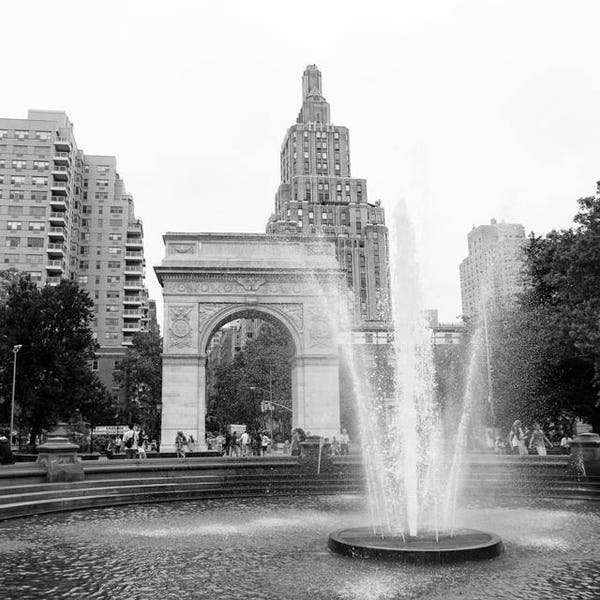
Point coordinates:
[(318, 196), (492, 271), (65, 214)]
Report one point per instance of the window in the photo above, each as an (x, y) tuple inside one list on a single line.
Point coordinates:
[(16, 195), (35, 275), (37, 226), (112, 321), (95, 365), (102, 182), (111, 335), (84, 249), (38, 197), (101, 196), (39, 181), (115, 237), (17, 180), (113, 279), (33, 242), (37, 211), (21, 134), (113, 294), (103, 169), (14, 225), (114, 264), (34, 258), (86, 209), (13, 242), (11, 258), (40, 165), (84, 264), (19, 164), (114, 250), (112, 308), (42, 135), (98, 266), (82, 279)]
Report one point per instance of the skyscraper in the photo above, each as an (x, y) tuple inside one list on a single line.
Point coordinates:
[(66, 215), (492, 271), (318, 196)]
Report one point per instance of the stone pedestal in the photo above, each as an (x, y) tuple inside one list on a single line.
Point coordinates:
[(309, 454), (585, 449), (59, 457)]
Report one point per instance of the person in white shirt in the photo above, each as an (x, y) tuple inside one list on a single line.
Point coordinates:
[(344, 442), (246, 442)]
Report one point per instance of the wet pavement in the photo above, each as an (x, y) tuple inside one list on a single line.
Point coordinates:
[(276, 548)]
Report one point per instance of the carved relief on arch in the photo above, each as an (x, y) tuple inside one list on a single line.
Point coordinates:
[(320, 331), (180, 326)]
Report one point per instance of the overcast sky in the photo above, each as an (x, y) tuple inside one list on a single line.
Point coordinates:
[(469, 110)]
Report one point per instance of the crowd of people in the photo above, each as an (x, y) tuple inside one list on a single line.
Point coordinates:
[(524, 441)]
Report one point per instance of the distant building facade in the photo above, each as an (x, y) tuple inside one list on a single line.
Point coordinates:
[(492, 270), (66, 215), (318, 196)]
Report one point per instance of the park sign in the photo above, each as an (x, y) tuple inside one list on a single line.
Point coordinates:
[(110, 429)]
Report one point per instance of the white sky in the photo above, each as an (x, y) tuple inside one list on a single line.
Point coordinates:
[(467, 109)]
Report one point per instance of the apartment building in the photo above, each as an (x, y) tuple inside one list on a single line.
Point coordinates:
[(491, 273), (318, 196), (66, 215)]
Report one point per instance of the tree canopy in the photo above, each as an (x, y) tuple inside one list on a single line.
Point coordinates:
[(54, 380), (141, 374), (258, 372), (546, 349)]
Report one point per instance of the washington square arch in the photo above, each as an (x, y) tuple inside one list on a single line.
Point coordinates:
[(209, 279)]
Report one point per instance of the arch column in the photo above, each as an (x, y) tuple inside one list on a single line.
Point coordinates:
[(316, 395), (184, 399)]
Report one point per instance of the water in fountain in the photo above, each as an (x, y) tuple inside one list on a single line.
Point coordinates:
[(413, 448)]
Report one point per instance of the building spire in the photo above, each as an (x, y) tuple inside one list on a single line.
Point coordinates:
[(315, 108), (311, 84)]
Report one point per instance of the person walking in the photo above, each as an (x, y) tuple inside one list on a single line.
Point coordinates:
[(264, 443), (246, 442), (517, 439), (344, 442), (565, 444), (142, 439), (180, 444), (539, 440), (128, 442)]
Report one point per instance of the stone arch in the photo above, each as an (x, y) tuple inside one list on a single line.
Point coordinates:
[(211, 278), (235, 311)]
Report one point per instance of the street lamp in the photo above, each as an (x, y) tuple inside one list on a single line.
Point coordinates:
[(12, 403)]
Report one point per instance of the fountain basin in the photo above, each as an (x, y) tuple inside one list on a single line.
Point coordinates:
[(462, 545)]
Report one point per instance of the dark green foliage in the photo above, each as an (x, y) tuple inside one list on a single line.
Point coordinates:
[(54, 379)]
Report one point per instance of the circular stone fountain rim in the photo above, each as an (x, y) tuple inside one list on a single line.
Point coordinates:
[(491, 548)]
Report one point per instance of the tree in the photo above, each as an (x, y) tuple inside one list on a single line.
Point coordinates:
[(261, 370), (141, 374), (546, 350), (54, 378)]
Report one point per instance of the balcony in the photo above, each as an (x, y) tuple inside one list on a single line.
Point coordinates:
[(57, 232), (55, 265), (54, 248), (62, 158), (62, 145), (133, 285), (134, 243), (127, 341), (133, 269), (131, 327), (58, 217), (133, 299), (60, 173), (134, 227), (59, 202), (54, 280), (132, 313), (59, 188)]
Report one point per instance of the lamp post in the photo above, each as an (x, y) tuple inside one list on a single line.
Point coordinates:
[(12, 402)]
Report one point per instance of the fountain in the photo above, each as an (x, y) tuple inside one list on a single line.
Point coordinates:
[(413, 464)]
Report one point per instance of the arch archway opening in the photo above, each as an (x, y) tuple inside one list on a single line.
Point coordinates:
[(249, 382)]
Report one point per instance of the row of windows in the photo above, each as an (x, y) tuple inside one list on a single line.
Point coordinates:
[(22, 180), (38, 165), (25, 134)]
